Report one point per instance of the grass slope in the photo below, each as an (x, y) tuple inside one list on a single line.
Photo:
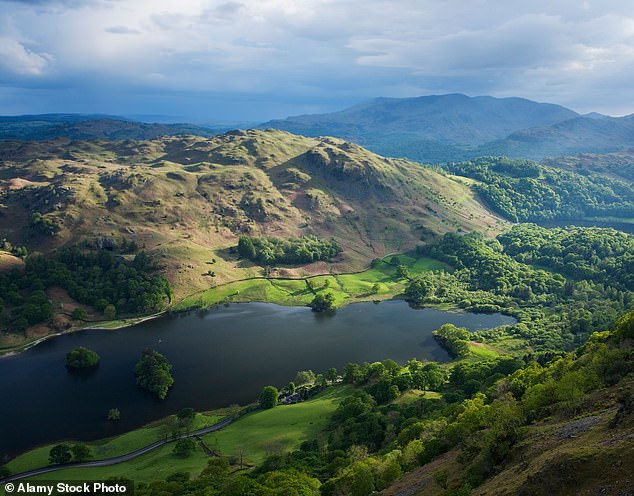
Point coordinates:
[(278, 429), (107, 448), (347, 288), (252, 436), (188, 198)]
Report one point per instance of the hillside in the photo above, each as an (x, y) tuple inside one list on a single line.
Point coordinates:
[(187, 199), (89, 127), (442, 128), (581, 452), (618, 165), (578, 135)]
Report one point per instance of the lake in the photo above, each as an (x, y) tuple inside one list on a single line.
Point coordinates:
[(221, 356)]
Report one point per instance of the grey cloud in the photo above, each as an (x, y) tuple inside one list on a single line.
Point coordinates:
[(321, 53), (122, 30)]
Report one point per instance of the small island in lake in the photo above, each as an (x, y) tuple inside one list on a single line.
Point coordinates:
[(82, 358), (153, 373)]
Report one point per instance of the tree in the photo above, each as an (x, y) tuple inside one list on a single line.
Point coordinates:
[(79, 314), (184, 447), (331, 374), (59, 454), (304, 377), (110, 312), (81, 452), (323, 302), (153, 372), (290, 387), (186, 417), (352, 373), (114, 414), (321, 380), (80, 358), (246, 249), (402, 272), (268, 397)]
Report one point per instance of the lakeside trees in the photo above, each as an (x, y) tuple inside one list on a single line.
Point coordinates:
[(323, 302), (269, 397), (561, 284), (99, 279), (454, 339)]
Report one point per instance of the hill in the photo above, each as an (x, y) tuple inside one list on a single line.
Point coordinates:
[(89, 127), (578, 135), (187, 199), (617, 165), (442, 128)]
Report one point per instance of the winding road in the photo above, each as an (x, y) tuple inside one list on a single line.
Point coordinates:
[(117, 459)]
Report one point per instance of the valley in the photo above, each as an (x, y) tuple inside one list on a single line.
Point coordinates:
[(188, 244)]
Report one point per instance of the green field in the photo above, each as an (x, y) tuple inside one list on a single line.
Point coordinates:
[(278, 429), (155, 465), (252, 436), (107, 448), (347, 288)]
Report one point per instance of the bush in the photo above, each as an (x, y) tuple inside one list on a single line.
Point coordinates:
[(80, 358), (269, 397)]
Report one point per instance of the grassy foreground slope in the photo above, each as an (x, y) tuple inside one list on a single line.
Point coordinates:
[(108, 448), (187, 199), (251, 438)]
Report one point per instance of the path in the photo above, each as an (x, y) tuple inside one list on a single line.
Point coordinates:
[(117, 459)]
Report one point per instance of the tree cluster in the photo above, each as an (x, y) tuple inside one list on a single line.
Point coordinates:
[(81, 358), (153, 372), (267, 250), (454, 339), (522, 190), (99, 279), (587, 284)]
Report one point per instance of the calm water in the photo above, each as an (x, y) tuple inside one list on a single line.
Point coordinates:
[(220, 356)]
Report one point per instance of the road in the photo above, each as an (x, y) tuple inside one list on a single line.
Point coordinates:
[(116, 459)]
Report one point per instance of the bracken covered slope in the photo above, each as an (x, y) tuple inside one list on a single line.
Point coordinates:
[(188, 198)]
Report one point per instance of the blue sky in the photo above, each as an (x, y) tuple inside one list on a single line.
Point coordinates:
[(203, 60)]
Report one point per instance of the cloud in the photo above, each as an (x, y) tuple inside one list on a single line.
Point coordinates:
[(327, 53), (17, 59), (122, 30)]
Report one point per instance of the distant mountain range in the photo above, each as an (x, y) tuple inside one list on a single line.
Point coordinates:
[(430, 129), (442, 128), (90, 127)]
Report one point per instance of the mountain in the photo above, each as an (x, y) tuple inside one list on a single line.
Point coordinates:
[(442, 128), (89, 127), (184, 197), (428, 128), (578, 135)]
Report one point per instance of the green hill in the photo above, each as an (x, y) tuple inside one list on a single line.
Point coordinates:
[(188, 199)]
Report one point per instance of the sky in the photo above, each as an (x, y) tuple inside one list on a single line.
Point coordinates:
[(255, 60)]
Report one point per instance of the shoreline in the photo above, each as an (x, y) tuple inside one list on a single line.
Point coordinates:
[(102, 326), (96, 327), (176, 308)]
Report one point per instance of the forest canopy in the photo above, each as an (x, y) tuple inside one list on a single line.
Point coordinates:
[(268, 250)]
